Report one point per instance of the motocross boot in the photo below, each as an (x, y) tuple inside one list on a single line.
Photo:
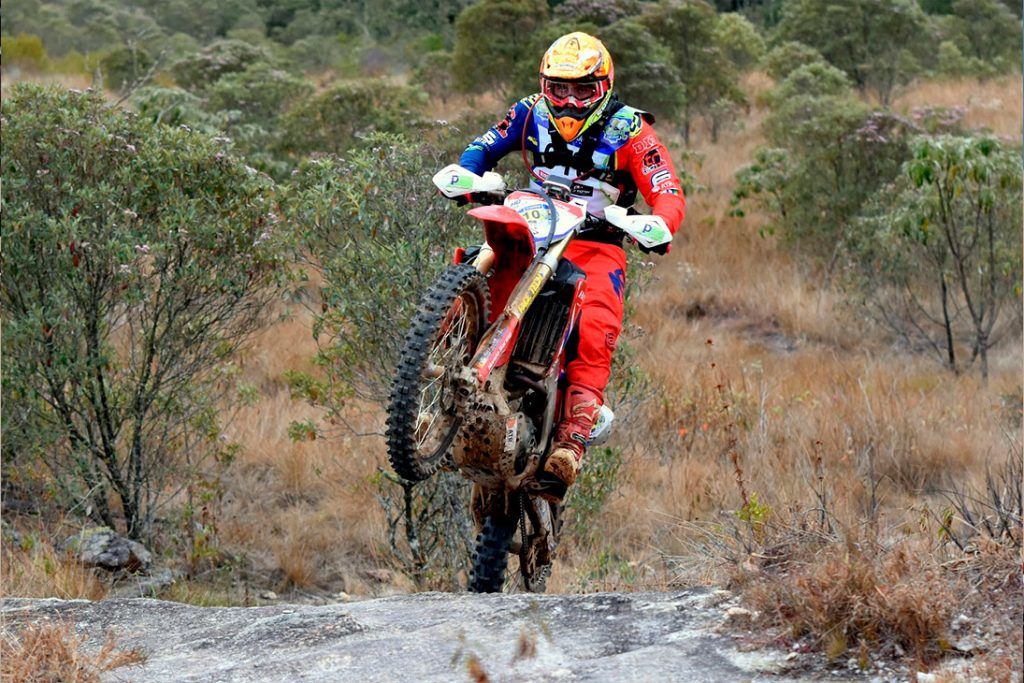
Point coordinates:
[(571, 437)]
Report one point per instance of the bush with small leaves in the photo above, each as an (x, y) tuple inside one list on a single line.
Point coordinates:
[(201, 70), (787, 57), (137, 259), (126, 67), (937, 257), (333, 121)]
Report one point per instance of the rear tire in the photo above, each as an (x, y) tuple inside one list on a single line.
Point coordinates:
[(490, 558), (442, 338)]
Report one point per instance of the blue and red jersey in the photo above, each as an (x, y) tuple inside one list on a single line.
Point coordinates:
[(607, 164)]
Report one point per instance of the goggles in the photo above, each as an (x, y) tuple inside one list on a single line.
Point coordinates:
[(578, 93)]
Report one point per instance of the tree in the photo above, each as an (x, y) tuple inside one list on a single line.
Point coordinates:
[(938, 257), (596, 12), (137, 258), (878, 43), (783, 59), (987, 30), (687, 28), (645, 74), (740, 41), (489, 43)]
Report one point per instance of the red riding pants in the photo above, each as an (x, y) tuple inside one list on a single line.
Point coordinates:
[(601, 317)]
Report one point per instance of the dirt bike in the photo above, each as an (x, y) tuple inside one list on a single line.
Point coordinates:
[(480, 381)]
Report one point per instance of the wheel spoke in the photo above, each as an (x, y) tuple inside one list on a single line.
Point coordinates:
[(446, 355)]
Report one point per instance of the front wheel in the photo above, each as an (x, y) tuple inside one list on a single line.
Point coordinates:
[(422, 417)]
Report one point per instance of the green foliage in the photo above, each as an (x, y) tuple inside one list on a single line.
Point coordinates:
[(754, 513), (175, 107), (480, 65), (126, 66), (828, 154), (201, 70), (688, 29), (590, 493), (987, 31), (645, 75), (333, 120), (596, 12), (250, 103), (434, 75), (740, 40), (136, 260), (878, 43), (370, 225), (24, 51), (785, 58), (938, 254), (817, 79), (259, 94)]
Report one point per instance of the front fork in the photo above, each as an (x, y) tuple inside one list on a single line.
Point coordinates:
[(496, 344)]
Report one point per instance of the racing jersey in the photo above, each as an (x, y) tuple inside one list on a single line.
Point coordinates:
[(607, 163)]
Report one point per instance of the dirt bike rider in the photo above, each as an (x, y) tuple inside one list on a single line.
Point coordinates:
[(576, 128)]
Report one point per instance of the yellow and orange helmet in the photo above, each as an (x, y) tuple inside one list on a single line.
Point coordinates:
[(576, 79)]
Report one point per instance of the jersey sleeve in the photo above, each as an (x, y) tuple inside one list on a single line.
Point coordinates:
[(484, 153), (648, 162)]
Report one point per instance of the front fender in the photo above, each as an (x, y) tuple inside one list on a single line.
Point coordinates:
[(508, 234)]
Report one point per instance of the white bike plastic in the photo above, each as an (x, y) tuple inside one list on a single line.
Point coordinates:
[(649, 231), (534, 210), (455, 181)]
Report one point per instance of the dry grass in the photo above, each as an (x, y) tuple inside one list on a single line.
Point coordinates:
[(42, 572), (995, 105), (850, 595), (54, 652), (815, 400)]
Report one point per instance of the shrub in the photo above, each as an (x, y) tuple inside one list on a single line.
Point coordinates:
[(372, 227), (829, 154), (137, 259), (175, 107), (861, 596), (202, 70), (787, 57), (24, 51), (374, 230), (332, 121), (938, 256), (739, 40), (126, 67)]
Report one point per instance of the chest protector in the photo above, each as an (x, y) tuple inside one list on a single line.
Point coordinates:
[(588, 161)]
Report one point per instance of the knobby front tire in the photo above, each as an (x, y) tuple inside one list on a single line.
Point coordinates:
[(422, 421)]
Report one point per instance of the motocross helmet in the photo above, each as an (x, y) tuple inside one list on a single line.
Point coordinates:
[(576, 78)]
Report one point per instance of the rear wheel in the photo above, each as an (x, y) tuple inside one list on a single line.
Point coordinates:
[(490, 558), (422, 416)]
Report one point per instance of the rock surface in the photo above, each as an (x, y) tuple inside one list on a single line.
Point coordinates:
[(424, 637)]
